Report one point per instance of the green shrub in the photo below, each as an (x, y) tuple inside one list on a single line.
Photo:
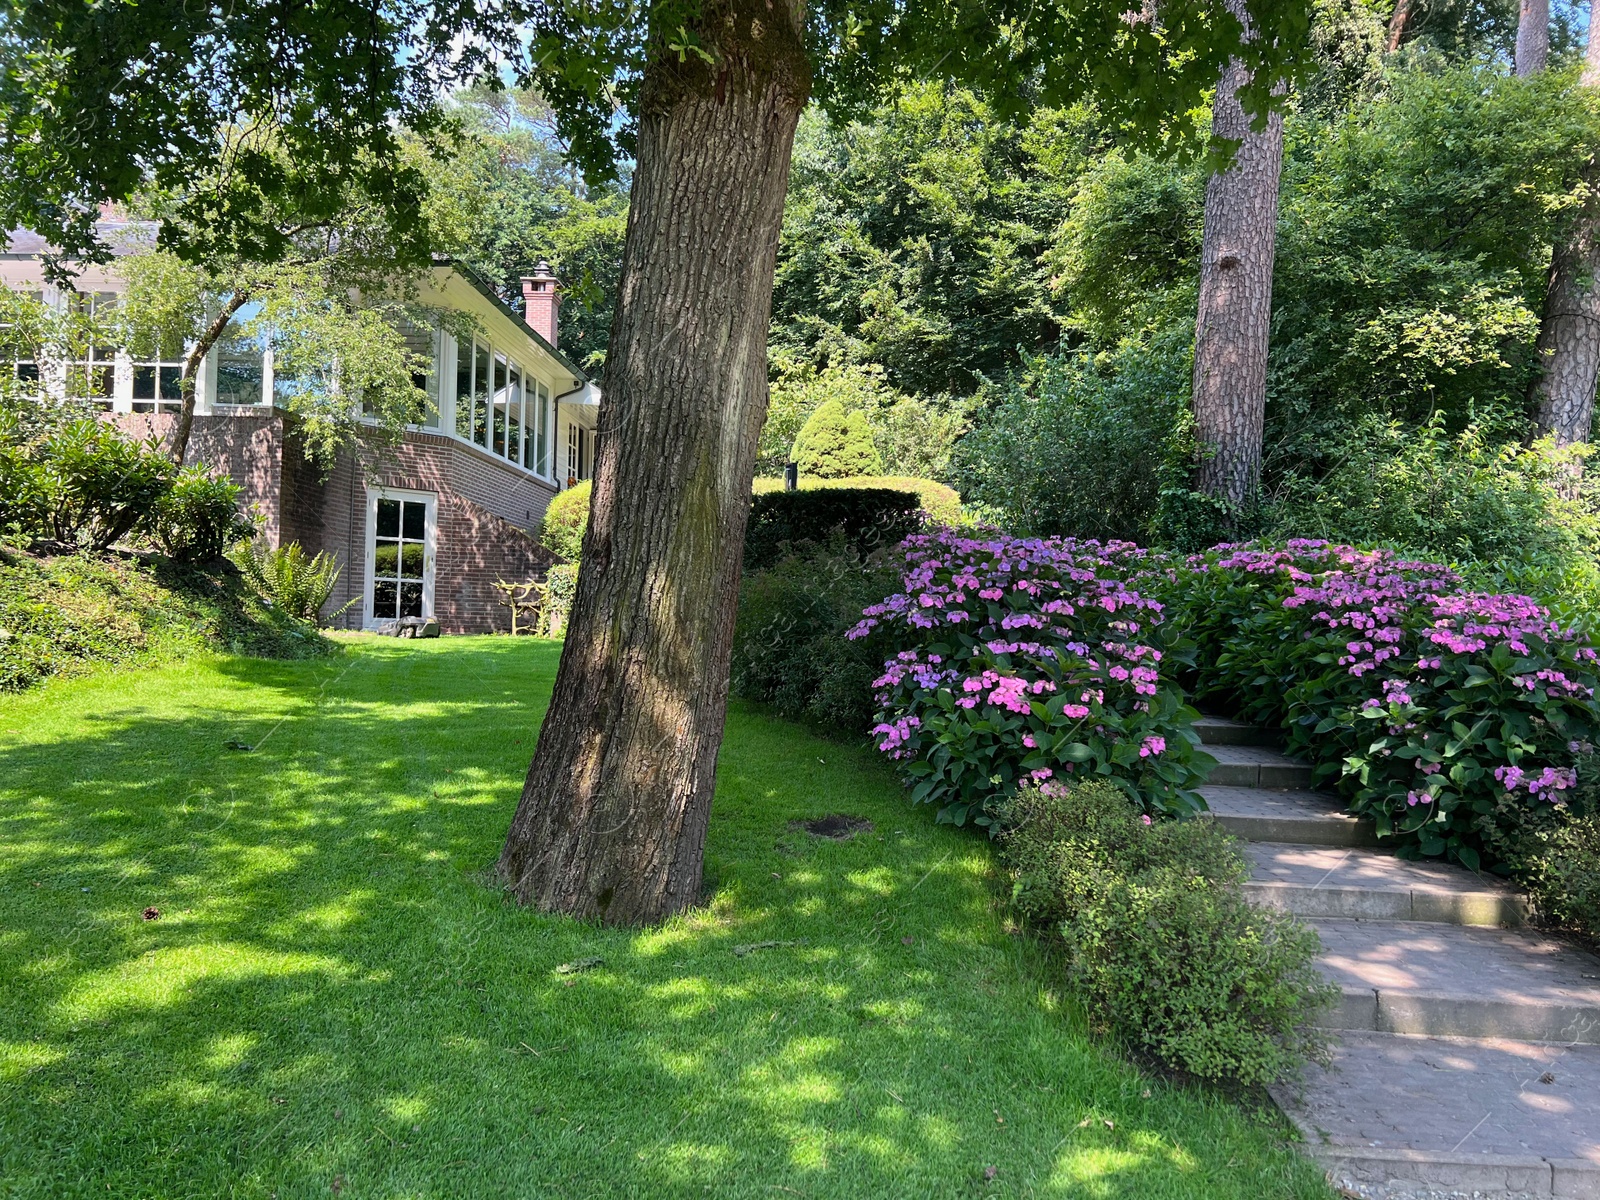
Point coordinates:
[(941, 502), (98, 485), (869, 519), (289, 579), (1560, 868), (22, 498), (789, 646), (835, 443), (566, 519), (561, 585), (199, 518), (1163, 947)]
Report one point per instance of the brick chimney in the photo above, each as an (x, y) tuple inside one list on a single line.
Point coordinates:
[(541, 301)]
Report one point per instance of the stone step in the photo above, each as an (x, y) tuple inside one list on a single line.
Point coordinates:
[(1349, 881), (1459, 981), (1286, 815), (1402, 1116), (1223, 731), (1256, 766)]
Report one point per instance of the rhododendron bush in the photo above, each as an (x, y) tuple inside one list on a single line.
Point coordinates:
[(1030, 660), (1441, 713)]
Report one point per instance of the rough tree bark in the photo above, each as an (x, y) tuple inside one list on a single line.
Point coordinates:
[(191, 372), (1569, 327), (1533, 37), (1397, 25), (1231, 326), (612, 820)]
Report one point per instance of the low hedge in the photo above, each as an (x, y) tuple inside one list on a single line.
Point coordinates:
[(1161, 944), (867, 519), (941, 502)]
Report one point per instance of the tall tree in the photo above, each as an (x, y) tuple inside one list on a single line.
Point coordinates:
[(1569, 327), (614, 811), (1397, 25), (1235, 308), (1533, 37)]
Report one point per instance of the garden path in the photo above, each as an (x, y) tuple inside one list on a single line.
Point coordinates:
[(1469, 1056)]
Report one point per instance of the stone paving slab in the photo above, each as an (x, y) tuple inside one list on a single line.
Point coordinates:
[(1333, 881), (1286, 815), (1399, 1115), (1452, 980), (1256, 767), (1221, 731)]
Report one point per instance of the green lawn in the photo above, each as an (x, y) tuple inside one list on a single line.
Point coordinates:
[(334, 1001)]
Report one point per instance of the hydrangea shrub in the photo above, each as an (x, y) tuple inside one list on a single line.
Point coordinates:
[(1026, 660), (1439, 713)]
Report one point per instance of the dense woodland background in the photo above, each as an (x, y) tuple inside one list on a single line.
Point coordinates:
[(1011, 306)]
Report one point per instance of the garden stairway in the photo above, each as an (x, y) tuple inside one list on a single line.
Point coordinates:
[(1468, 1061)]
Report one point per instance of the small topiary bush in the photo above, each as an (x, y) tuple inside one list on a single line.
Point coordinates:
[(867, 519), (288, 578), (98, 485), (1161, 944), (198, 518), (835, 443), (561, 585), (1022, 660), (789, 646), (566, 519)]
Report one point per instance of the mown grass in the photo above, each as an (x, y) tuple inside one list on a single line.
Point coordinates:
[(334, 1000)]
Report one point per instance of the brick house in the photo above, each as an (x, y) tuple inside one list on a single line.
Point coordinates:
[(425, 528)]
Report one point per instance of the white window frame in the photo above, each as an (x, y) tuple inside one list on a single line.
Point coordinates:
[(430, 546)]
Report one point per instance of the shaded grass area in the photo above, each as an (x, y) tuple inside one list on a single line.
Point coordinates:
[(67, 614), (334, 1001)]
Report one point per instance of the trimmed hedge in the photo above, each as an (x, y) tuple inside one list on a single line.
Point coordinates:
[(867, 519), (941, 502)]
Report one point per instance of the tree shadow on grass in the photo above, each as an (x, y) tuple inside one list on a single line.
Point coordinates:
[(333, 994)]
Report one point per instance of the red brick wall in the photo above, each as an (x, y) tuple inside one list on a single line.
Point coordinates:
[(488, 511)]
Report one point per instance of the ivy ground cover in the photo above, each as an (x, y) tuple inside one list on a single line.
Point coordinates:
[(1446, 715), (332, 1001)]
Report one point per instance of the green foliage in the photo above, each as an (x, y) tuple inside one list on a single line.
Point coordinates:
[(1160, 941), (941, 504), (867, 519), (561, 585), (68, 614), (834, 443), (1078, 444), (1559, 866), (566, 518), (789, 646), (198, 517), (913, 435), (289, 579), (98, 485)]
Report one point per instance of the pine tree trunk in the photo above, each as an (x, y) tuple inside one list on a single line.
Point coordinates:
[(1569, 327), (1533, 36), (1397, 25), (1232, 325), (612, 820)]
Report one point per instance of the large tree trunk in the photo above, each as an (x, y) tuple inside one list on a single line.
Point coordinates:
[(1231, 327), (1397, 25), (1569, 327), (1533, 36), (613, 816)]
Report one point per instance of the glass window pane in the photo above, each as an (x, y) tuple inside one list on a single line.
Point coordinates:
[(480, 396), (384, 597), (385, 560), (416, 517), (464, 390), (388, 518), (411, 560), (410, 599), (144, 383), (171, 383)]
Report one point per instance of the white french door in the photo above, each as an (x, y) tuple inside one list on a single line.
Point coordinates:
[(402, 529)]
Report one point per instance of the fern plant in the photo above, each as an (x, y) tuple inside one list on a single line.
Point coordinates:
[(290, 579)]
